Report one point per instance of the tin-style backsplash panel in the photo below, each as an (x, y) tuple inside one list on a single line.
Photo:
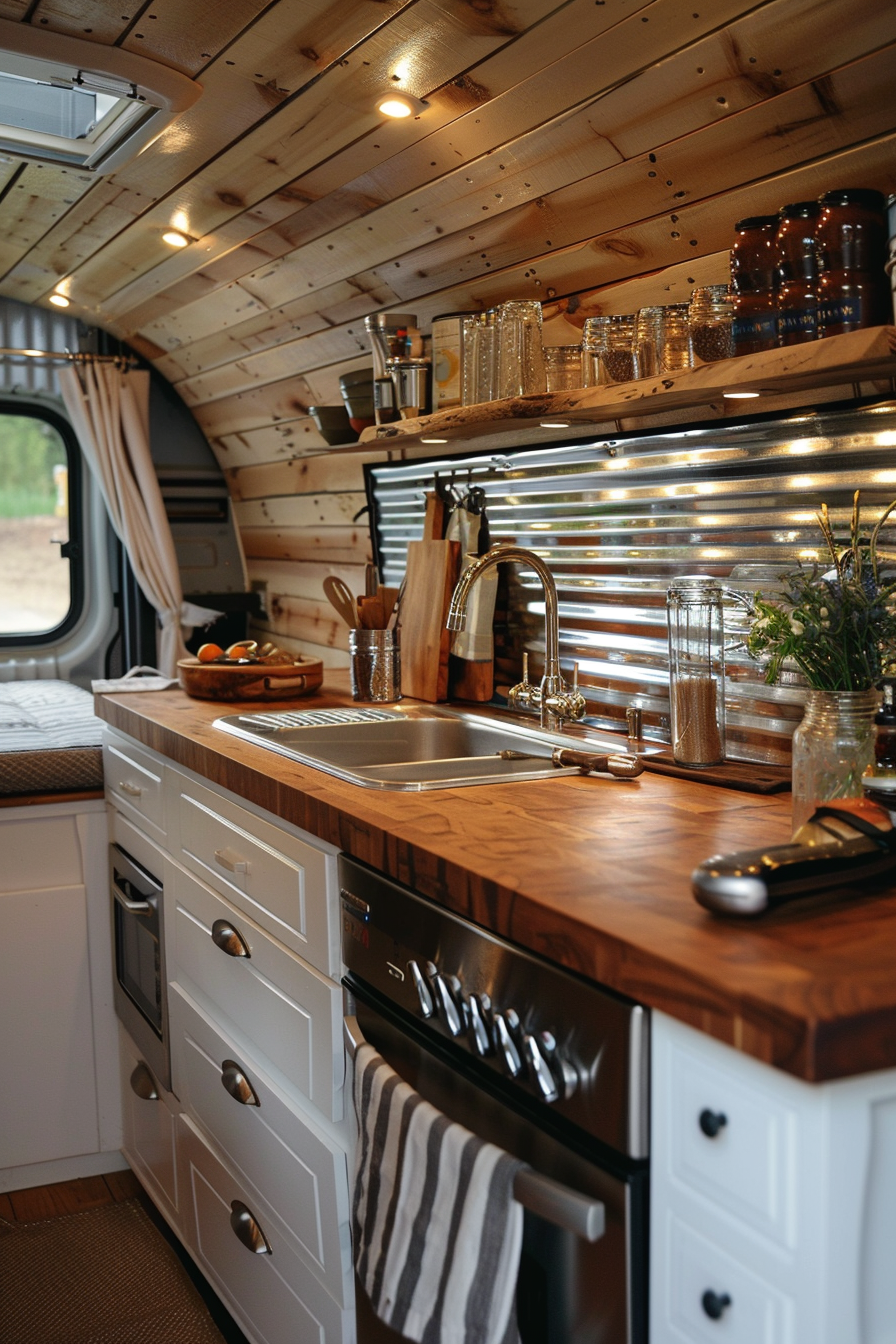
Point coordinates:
[(618, 519)]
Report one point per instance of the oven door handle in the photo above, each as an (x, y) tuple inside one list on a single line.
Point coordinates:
[(547, 1199), (132, 907)]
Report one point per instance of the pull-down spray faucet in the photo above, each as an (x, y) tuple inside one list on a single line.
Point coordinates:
[(553, 698)]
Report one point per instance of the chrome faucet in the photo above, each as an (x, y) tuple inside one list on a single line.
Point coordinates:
[(553, 698)]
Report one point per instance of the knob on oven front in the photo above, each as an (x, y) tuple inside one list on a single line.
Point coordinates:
[(506, 1046)]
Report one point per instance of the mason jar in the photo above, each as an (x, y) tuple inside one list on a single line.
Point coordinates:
[(833, 746)]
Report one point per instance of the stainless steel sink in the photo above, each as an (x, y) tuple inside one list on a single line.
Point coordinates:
[(410, 749)]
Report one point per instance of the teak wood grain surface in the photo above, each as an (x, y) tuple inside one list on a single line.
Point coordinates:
[(593, 873)]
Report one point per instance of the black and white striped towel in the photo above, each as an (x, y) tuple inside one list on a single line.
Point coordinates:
[(437, 1233)]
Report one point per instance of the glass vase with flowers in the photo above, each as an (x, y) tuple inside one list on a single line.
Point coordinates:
[(837, 626)]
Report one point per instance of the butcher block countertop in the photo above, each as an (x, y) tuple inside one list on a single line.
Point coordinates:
[(593, 873)]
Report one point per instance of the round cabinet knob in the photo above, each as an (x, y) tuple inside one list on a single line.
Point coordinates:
[(711, 1122), (714, 1304)]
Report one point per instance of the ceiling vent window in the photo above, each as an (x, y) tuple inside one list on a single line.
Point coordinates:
[(81, 105)]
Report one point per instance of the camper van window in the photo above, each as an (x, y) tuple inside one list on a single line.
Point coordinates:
[(39, 552)]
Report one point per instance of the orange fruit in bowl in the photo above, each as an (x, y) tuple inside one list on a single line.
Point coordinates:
[(209, 652), (244, 650)]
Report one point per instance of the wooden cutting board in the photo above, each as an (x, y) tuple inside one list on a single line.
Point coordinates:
[(431, 575)]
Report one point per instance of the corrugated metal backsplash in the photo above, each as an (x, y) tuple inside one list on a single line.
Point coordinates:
[(617, 519)]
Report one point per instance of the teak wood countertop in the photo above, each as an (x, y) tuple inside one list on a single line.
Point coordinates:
[(593, 873)]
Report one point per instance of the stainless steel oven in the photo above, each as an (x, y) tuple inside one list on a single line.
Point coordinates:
[(140, 986), (534, 1059)]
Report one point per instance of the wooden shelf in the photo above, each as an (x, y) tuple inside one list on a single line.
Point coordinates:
[(777, 376)]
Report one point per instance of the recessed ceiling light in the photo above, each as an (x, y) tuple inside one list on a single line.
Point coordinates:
[(175, 239), (401, 105), (60, 300), (739, 396)]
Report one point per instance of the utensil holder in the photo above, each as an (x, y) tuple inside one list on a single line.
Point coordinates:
[(375, 667)]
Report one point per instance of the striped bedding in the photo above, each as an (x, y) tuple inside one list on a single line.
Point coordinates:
[(50, 739), (436, 1231)]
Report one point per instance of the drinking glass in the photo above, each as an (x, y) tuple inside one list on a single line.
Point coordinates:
[(519, 361)]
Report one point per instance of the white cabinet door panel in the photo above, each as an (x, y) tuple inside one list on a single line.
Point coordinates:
[(149, 1132), (48, 1104), (278, 1298), (290, 1012), (301, 1170), (286, 885)]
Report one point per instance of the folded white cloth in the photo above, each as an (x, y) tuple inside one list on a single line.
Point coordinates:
[(137, 679), (436, 1231)]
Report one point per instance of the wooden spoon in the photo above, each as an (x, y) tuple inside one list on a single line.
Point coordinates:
[(340, 596)]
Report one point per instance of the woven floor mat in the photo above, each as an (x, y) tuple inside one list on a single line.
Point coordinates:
[(103, 1276)]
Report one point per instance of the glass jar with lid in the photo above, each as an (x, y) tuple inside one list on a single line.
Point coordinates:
[(675, 339), (796, 273), (619, 358), (594, 350), (850, 239), (648, 333), (696, 670), (710, 322), (752, 266)]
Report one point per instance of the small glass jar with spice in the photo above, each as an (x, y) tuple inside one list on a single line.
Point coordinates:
[(796, 273), (619, 358), (850, 240), (710, 324), (752, 264)]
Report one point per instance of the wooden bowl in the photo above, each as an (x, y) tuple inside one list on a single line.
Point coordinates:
[(250, 681)]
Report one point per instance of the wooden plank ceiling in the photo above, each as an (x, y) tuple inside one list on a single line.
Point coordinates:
[(593, 154)]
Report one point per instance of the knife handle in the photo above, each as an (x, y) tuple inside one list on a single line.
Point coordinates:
[(621, 764)]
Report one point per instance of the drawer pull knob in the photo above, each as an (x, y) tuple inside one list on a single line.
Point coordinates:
[(712, 1121), (226, 937), (714, 1304), (133, 790), (231, 861), (237, 1084), (143, 1084), (247, 1230)]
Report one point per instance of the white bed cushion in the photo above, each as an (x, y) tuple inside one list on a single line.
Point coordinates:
[(50, 738)]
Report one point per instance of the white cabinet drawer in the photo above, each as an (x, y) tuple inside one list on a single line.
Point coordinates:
[(709, 1297), (748, 1166), (287, 1011), (272, 1292), (285, 884), (284, 1155), (134, 782), (149, 1129)]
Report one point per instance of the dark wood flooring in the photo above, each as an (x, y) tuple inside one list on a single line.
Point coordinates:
[(50, 1201)]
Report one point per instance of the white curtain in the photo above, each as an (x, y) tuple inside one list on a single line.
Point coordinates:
[(109, 409)]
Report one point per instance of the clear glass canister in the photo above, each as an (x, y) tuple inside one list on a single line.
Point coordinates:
[(696, 670)]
